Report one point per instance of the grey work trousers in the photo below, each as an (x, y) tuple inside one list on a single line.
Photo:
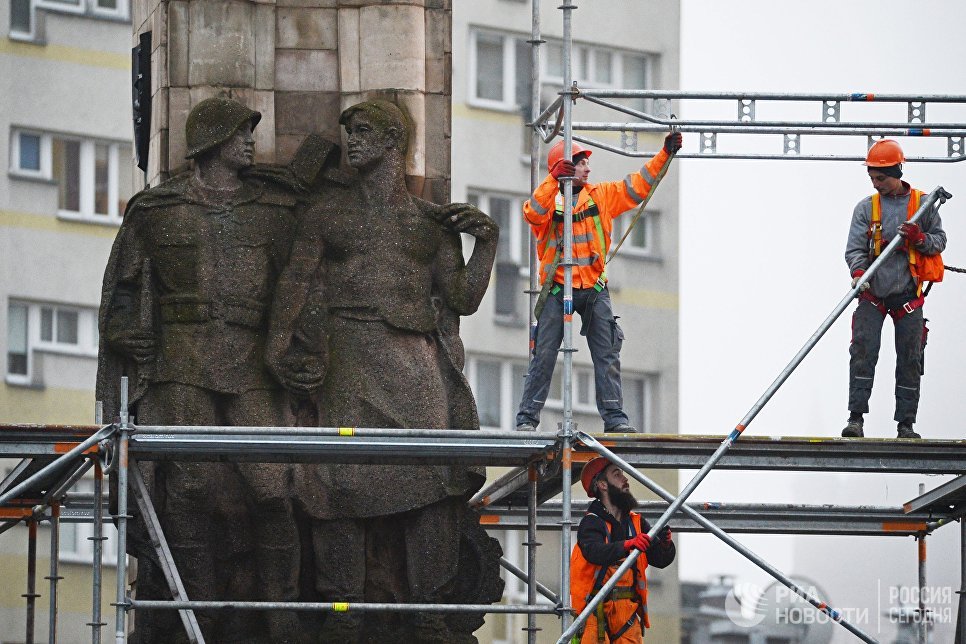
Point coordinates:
[(864, 351), (604, 338)]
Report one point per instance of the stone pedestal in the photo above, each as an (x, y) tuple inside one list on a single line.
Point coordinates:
[(300, 63)]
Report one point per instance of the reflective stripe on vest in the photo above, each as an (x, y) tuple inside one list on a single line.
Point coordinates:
[(603, 242)]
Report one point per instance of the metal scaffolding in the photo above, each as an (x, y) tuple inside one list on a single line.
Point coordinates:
[(53, 456), (557, 119)]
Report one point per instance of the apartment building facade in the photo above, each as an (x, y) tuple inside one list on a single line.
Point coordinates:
[(65, 176)]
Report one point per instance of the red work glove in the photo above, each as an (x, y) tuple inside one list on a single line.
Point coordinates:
[(913, 233), (856, 274), (563, 168), (642, 542), (673, 142)]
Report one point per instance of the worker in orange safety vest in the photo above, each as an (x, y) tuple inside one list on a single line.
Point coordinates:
[(594, 208), (895, 289), (605, 536)]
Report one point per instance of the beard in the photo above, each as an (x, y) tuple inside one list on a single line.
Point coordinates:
[(623, 501)]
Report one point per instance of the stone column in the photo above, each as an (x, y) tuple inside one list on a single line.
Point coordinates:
[(300, 63)]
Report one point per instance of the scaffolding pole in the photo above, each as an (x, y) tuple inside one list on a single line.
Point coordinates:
[(97, 543), (54, 577), (121, 600), (31, 594), (567, 427), (532, 585)]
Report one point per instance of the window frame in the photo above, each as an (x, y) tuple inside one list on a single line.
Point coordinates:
[(519, 230), (18, 378), (46, 154), (87, 336), (24, 35), (509, 102), (86, 172), (649, 219)]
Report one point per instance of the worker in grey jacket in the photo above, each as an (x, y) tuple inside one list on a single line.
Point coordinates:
[(894, 290)]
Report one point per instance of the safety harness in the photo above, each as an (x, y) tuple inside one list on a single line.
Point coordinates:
[(549, 286), (618, 592), (922, 267)]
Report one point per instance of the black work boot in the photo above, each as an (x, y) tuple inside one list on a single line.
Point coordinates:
[(905, 431), (853, 429)]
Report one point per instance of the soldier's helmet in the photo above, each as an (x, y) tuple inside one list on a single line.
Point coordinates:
[(213, 121)]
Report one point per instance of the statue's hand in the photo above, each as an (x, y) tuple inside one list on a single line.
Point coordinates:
[(137, 343), (466, 218), (300, 374)]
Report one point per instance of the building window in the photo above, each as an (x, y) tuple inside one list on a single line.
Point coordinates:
[(21, 19), (637, 391), (499, 71), (18, 356), (23, 13), (497, 385), (94, 178), (512, 250), (642, 240), (600, 67), (48, 328)]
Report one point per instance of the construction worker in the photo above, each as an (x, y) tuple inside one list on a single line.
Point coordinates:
[(607, 533), (895, 288), (594, 208)]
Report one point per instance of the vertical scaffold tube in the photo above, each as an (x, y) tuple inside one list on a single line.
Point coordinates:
[(922, 621), (567, 427), (31, 593), (962, 581), (54, 575), (532, 551), (97, 542), (120, 615), (535, 162)]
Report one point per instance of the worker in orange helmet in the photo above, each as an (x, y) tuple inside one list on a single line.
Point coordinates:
[(606, 535), (595, 206), (895, 289)]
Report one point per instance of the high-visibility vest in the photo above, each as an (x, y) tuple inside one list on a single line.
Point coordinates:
[(586, 578), (924, 268), (590, 246)]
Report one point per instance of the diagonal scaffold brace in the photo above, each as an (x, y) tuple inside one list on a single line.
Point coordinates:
[(650, 484), (934, 199)]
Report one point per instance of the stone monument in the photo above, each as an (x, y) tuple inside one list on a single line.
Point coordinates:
[(290, 292)]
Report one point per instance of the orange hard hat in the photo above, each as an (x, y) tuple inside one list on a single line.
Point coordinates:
[(591, 470), (556, 153), (884, 153)]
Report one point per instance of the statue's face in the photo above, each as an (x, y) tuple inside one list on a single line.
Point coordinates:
[(238, 152), (366, 142)]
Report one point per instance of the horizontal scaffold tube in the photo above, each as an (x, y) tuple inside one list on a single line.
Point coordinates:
[(340, 607)]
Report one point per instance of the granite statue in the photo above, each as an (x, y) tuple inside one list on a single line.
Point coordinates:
[(378, 278)]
